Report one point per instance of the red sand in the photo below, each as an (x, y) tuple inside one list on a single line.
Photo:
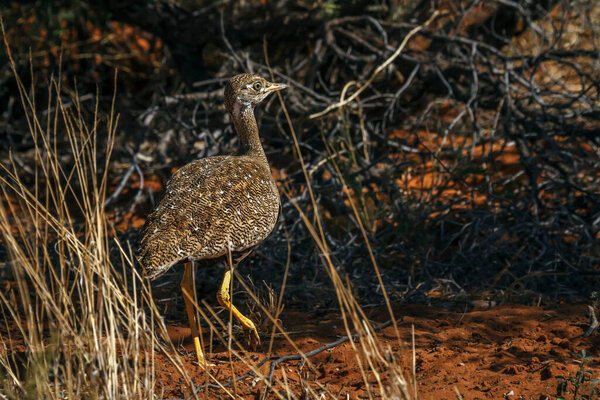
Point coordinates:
[(511, 351)]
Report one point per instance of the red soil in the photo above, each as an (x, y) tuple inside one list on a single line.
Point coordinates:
[(511, 351)]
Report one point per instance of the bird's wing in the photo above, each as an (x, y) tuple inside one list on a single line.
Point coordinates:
[(209, 206)]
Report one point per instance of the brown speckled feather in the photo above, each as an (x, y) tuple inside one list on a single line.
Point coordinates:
[(214, 204), (210, 205)]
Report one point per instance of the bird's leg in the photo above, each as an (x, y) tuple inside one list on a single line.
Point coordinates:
[(189, 296), (224, 298)]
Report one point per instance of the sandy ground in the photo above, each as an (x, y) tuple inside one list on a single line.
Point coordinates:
[(511, 351)]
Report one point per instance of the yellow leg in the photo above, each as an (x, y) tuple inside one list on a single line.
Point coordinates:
[(224, 299), (189, 295)]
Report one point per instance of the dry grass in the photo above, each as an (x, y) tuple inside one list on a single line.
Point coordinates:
[(80, 317)]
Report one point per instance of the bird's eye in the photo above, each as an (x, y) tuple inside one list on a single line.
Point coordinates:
[(257, 85)]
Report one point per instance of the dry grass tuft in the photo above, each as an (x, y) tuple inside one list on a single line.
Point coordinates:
[(78, 322)]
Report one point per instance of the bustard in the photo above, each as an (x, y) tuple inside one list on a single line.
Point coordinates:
[(216, 206)]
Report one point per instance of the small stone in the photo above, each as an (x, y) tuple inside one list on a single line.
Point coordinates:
[(512, 369), (546, 373)]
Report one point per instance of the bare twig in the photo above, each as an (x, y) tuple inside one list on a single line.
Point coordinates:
[(593, 322), (380, 68)]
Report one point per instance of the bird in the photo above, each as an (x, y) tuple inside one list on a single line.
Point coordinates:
[(216, 209)]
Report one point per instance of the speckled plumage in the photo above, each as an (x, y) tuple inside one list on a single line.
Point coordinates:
[(216, 204)]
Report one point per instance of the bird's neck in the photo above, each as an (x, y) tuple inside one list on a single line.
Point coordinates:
[(247, 131)]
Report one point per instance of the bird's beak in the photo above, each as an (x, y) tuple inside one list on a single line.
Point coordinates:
[(275, 87)]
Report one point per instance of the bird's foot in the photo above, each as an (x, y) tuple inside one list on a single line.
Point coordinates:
[(200, 356), (252, 334), (205, 364)]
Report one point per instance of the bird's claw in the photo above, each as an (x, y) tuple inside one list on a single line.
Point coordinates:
[(252, 336), (205, 364)]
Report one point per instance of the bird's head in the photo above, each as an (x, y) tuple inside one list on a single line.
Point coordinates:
[(247, 90)]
